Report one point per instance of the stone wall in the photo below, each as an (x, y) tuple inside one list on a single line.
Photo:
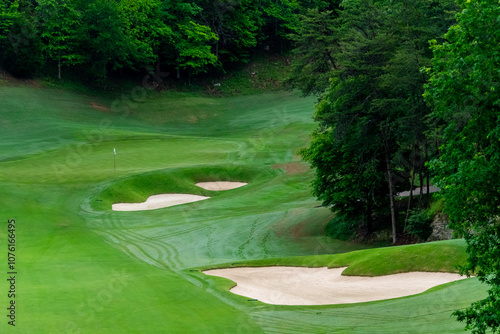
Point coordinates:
[(440, 231)]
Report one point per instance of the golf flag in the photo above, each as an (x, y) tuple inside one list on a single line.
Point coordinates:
[(114, 151)]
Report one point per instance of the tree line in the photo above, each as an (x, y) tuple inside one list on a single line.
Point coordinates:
[(374, 138), (101, 37)]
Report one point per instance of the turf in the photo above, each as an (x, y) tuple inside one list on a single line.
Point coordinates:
[(83, 268), (443, 256)]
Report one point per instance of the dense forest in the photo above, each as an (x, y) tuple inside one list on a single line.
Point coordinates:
[(407, 94), (373, 118), (101, 38)]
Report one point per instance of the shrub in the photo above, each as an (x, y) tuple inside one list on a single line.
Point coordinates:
[(419, 224)]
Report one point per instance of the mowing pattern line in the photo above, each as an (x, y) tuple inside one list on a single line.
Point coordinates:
[(159, 254), (241, 248)]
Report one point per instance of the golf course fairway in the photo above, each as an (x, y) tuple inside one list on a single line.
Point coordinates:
[(81, 267)]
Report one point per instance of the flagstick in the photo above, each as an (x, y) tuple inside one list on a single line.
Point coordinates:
[(114, 160)]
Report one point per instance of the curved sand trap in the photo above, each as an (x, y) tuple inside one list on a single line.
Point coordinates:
[(158, 202), (220, 185), (322, 286)]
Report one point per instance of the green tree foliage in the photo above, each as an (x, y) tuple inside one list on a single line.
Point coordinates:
[(372, 114), (96, 38), (416, 23), (419, 224), (317, 44), (100, 36), (238, 25), (464, 90), (144, 29), (61, 31), (193, 47), (281, 20), (8, 15), (175, 14), (284, 14), (354, 120), (20, 48), (103, 38), (121, 35)]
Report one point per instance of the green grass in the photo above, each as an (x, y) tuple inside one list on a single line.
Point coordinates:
[(83, 268), (443, 256), (137, 188)]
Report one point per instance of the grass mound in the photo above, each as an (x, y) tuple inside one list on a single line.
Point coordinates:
[(137, 188), (439, 256)]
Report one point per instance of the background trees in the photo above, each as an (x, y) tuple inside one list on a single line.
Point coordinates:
[(194, 52), (352, 114), (238, 24), (20, 47), (61, 33), (463, 89), (98, 38), (9, 15), (317, 43), (372, 117)]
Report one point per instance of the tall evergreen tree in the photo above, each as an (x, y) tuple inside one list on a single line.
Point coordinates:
[(316, 47), (372, 113), (354, 127)]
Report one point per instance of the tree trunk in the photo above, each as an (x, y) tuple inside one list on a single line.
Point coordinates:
[(369, 220), (276, 24), (329, 56), (412, 185), (420, 176), (59, 68), (391, 189), (178, 73), (427, 169)]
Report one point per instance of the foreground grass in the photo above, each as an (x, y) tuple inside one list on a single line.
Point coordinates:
[(83, 268)]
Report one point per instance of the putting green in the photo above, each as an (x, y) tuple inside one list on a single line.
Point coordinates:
[(84, 268)]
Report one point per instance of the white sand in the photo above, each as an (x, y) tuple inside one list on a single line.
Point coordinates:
[(321, 286), (158, 202), (220, 185)]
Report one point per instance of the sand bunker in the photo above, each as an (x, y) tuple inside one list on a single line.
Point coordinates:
[(158, 202), (220, 185), (322, 286)]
